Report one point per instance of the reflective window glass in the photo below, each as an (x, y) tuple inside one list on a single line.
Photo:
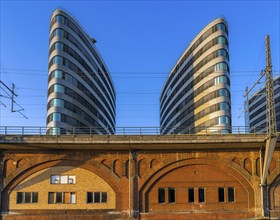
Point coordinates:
[(221, 27), (58, 46), (56, 116), (57, 102), (57, 74), (220, 67), (222, 53), (60, 19), (58, 60), (58, 88), (224, 120), (58, 32), (223, 92), (55, 131), (220, 79), (224, 106), (221, 40)]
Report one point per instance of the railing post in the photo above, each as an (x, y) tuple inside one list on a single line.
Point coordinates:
[(22, 131), (5, 130), (73, 131), (40, 131)]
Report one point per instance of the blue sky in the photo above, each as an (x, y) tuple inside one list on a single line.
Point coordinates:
[(140, 42)]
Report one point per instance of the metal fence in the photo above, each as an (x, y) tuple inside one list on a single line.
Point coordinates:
[(32, 130)]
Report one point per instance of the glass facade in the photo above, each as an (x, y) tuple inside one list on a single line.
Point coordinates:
[(81, 92), (192, 85)]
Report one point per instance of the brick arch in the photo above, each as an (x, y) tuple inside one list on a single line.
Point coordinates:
[(145, 189), (111, 180), (273, 199)]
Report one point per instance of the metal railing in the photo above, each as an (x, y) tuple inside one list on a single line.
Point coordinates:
[(33, 130)]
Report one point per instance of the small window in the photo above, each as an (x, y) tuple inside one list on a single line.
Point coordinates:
[(201, 195), (34, 197), (231, 194), (51, 198), (161, 195), (58, 197), (89, 197), (96, 197), (62, 197), (221, 194), (27, 197), (104, 197), (19, 197), (72, 197), (71, 179), (171, 195), (191, 195), (63, 179)]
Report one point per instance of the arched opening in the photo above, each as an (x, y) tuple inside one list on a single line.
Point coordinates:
[(196, 184), (40, 179)]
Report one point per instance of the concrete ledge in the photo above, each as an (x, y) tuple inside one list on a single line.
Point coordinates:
[(137, 142)]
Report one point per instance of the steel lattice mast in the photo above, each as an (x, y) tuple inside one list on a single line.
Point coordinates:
[(270, 104)]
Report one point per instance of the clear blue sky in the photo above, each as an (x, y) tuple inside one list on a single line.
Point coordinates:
[(140, 42)]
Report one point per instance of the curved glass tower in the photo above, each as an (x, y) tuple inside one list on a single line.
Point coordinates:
[(81, 94), (196, 96)]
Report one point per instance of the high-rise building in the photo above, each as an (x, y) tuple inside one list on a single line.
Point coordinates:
[(196, 96), (81, 94), (255, 109)]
